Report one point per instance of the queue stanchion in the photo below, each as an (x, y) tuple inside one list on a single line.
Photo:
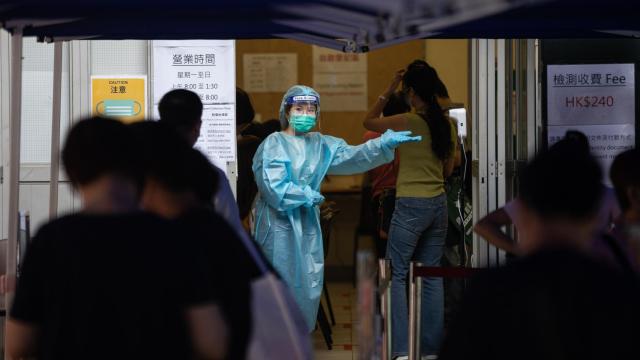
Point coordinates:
[(416, 274), (384, 289), (366, 288)]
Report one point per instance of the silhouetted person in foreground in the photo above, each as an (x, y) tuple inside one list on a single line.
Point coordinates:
[(491, 227), (556, 302), (111, 282), (182, 110), (178, 186), (625, 175)]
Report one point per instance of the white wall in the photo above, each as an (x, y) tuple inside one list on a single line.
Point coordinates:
[(103, 58)]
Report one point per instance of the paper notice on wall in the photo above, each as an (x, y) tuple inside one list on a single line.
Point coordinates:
[(206, 67), (270, 72), (591, 94), (606, 141), (341, 80), (597, 100), (217, 134)]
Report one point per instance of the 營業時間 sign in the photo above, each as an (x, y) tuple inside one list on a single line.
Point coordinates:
[(206, 67)]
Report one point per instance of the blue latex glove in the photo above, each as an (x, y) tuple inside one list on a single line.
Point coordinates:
[(393, 139), (313, 197)]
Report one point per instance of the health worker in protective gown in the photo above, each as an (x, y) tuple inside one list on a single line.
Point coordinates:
[(289, 167)]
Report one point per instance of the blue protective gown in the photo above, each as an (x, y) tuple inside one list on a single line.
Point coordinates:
[(288, 232)]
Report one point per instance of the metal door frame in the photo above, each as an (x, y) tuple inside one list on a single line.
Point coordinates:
[(492, 83)]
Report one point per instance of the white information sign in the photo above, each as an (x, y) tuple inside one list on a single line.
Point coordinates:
[(206, 67), (606, 141), (596, 99), (270, 72), (341, 80)]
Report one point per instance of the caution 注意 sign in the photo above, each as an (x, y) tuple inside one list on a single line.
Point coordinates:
[(121, 97)]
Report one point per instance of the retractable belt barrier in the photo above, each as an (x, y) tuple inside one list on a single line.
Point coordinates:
[(443, 272), (416, 273)]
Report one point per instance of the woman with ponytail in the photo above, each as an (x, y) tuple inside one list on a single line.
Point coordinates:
[(419, 222)]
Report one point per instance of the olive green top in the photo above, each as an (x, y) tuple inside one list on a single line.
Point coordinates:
[(421, 172)]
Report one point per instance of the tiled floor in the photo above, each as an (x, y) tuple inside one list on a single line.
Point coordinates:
[(345, 346)]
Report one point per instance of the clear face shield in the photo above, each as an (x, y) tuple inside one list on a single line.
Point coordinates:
[(304, 113)]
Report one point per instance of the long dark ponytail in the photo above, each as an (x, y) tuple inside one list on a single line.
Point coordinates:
[(427, 85)]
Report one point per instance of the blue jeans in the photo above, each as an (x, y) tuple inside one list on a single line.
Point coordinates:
[(418, 231)]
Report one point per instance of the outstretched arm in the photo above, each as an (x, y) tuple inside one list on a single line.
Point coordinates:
[(373, 121), (490, 228), (373, 153)]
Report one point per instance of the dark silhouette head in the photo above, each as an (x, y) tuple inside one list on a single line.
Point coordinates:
[(625, 176), (578, 140), (171, 161), (562, 182), (96, 147), (244, 110), (182, 110)]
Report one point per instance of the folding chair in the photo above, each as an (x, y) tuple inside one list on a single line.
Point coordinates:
[(326, 218)]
